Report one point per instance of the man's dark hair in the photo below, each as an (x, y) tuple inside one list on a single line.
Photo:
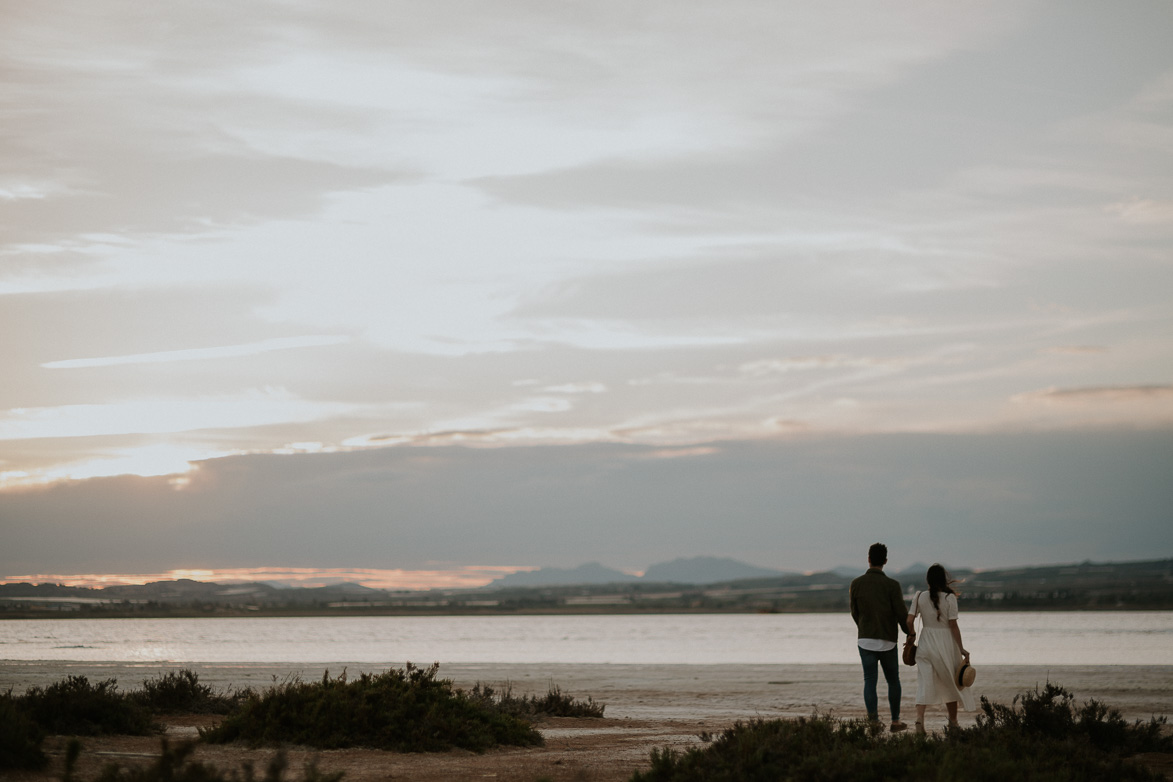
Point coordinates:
[(878, 555)]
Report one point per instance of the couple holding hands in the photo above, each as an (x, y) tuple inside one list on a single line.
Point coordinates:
[(943, 674)]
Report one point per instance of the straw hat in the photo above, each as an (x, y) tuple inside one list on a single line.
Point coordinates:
[(965, 675)]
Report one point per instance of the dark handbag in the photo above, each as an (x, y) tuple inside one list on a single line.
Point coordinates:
[(909, 653)]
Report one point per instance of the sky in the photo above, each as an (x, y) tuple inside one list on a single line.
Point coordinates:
[(420, 293)]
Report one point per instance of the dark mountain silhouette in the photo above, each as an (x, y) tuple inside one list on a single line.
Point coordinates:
[(706, 570), (1146, 585), (694, 570), (590, 573), (914, 574)]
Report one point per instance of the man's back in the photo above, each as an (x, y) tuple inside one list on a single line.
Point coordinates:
[(877, 605)]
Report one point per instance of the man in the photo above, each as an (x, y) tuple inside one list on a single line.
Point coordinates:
[(877, 606)]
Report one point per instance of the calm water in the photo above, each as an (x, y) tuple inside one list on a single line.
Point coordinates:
[(1081, 638)]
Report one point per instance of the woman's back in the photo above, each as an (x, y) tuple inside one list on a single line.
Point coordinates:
[(931, 616)]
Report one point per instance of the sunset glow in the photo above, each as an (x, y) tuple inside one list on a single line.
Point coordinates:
[(465, 577)]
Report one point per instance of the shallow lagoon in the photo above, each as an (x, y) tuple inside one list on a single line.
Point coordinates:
[(1001, 638)]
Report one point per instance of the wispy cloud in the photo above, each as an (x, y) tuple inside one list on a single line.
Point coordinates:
[(257, 407), (1076, 350), (1144, 211), (200, 354), (451, 577), (1103, 394)]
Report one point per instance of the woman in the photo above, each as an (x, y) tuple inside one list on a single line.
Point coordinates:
[(939, 651)]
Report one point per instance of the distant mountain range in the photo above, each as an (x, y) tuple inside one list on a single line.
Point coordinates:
[(913, 574), (691, 570), (683, 585), (186, 591), (694, 570)]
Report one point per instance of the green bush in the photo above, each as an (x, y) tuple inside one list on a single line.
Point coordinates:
[(405, 710), (1042, 736), (173, 765), (20, 738), (552, 704), (1051, 714), (181, 692), (76, 707)]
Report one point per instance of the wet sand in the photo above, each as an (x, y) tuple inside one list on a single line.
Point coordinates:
[(716, 692), (647, 707)]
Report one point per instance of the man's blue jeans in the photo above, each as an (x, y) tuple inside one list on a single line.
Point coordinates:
[(890, 662)]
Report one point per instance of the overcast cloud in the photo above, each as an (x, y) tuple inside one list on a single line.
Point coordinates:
[(380, 285)]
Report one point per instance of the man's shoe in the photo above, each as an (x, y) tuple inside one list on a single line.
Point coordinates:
[(898, 726)]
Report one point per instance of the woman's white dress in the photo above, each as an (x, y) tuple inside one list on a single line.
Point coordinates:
[(937, 655)]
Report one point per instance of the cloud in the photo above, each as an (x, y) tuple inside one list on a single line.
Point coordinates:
[(257, 407), (807, 502), (1143, 211), (577, 388), (776, 366), (1076, 350), (889, 220), (1101, 395), (200, 354)]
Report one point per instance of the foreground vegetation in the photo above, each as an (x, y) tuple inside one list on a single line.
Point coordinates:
[(75, 706), (404, 710), (1043, 735), (175, 765), (408, 710), (553, 704)]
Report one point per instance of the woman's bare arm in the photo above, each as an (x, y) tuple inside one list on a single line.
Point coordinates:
[(953, 628)]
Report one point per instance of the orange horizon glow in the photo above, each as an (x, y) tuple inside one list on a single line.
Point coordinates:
[(459, 577)]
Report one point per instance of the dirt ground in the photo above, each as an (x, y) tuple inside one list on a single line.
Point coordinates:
[(578, 750), (647, 707)]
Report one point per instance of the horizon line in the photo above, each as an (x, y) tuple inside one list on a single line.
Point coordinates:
[(397, 579), (392, 579)]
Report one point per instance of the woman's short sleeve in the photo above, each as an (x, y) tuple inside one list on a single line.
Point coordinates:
[(950, 607)]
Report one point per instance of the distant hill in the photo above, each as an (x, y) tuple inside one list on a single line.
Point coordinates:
[(694, 570), (590, 573), (706, 570), (913, 575), (593, 588), (187, 591)]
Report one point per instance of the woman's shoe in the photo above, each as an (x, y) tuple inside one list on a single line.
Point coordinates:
[(920, 728)]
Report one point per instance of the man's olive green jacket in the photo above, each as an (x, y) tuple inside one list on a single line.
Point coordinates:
[(877, 605)]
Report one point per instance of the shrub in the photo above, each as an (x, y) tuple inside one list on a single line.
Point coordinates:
[(173, 765), (1051, 713), (74, 706), (405, 710), (181, 691), (1042, 736), (20, 738), (552, 704)]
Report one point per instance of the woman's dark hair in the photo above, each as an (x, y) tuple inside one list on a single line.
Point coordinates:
[(938, 581)]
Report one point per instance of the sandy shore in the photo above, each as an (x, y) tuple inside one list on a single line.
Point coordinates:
[(724, 692), (647, 706)]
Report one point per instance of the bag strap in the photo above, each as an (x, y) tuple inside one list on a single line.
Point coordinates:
[(916, 605)]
